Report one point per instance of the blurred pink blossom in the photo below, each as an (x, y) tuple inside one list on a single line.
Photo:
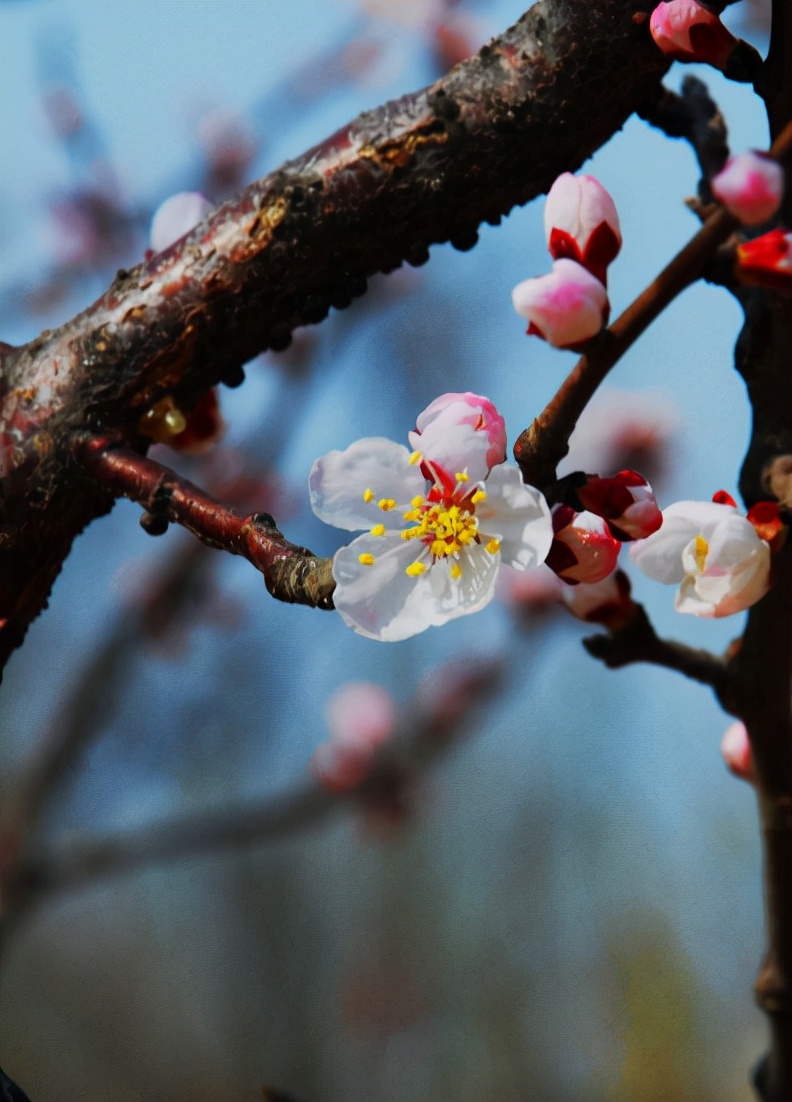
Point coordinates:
[(176, 217), (607, 602), (361, 717), (751, 187), (736, 750)]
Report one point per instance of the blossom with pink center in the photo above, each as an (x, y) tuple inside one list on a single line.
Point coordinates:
[(751, 187), (176, 217), (712, 553), (583, 549), (582, 224), (736, 749), (687, 31), (361, 717), (766, 261), (566, 307), (437, 533), (607, 602), (626, 501)]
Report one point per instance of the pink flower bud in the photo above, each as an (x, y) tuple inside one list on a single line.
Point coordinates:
[(583, 549), (626, 501), (766, 261), (361, 717), (567, 307), (751, 187), (686, 31), (459, 433), (582, 224), (736, 750), (176, 217), (607, 602)]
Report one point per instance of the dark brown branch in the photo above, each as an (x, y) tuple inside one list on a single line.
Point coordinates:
[(638, 642), (291, 573), (429, 167), (542, 446), (694, 116)]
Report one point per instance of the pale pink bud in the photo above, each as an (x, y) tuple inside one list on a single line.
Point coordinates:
[(686, 31), (736, 750), (361, 717), (583, 549), (567, 307), (751, 187), (530, 591), (582, 224), (460, 433), (607, 602), (176, 217), (626, 501)]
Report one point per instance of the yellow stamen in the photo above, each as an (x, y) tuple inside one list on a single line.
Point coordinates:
[(456, 570), (366, 560), (480, 495), (368, 495), (416, 501), (700, 551), (378, 530), (414, 569), (386, 503), (415, 458), (493, 547), (413, 514), (462, 476)]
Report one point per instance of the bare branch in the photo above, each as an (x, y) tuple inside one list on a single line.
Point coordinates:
[(426, 168), (291, 573)]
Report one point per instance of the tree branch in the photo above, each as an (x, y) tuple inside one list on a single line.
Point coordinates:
[(426, 168), (291, 573), (638, 642)]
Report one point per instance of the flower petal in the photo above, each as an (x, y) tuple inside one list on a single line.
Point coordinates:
[(518, 515), (382, 601), (340, 479), (660, 555)]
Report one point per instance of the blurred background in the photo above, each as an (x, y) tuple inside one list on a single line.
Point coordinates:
[(567, 904)]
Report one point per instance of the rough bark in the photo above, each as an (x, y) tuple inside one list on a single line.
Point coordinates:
[(427, 168)]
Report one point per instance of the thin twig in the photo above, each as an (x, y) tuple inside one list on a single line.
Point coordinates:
[(291, 573)]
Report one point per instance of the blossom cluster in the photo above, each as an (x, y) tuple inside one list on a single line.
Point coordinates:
[(569, 305), (441, 519)]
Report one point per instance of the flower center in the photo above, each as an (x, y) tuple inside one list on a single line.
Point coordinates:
[(700, 551), (444, 528)]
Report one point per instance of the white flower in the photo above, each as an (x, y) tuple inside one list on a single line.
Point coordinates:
[(712, 552), (436, 536)]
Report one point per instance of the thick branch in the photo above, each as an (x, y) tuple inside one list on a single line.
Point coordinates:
[(427, 168), (291, 573)]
